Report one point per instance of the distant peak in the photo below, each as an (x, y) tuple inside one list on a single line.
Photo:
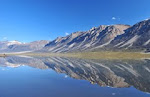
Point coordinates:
[(102, 27), (14, 42), (147, 19)]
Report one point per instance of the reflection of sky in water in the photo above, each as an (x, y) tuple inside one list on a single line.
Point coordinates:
[(26, 81)]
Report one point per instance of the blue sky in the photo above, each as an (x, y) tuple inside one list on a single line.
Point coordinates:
[(30, 20)]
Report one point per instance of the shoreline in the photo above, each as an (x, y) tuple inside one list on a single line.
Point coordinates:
[(3, 55), (87, 55)]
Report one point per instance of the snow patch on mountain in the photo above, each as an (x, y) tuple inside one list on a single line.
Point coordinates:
[(147, 42), (119, 44), (131, 41), (13, 42)]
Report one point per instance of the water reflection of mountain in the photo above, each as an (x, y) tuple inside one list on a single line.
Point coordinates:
[(114, 73)]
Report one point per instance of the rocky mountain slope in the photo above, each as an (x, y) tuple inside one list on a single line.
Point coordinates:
[(136, 37), (96, 37), (105, 37)]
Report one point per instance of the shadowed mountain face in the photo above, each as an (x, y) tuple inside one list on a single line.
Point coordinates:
[(136, 37), (114, 73)]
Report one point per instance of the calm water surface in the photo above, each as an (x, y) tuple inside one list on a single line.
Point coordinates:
[(69, 77)]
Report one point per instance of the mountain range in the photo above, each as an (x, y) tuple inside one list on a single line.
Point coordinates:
[(16, 46), (102, 38)]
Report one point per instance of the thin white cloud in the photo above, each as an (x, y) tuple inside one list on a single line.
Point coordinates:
[(5, 38), (116, 18), (113, 18), (66, 33)]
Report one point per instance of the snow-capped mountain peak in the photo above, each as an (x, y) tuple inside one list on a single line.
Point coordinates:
[(14, 42)]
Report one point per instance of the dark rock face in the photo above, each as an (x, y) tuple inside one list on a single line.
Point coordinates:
[(136, 37)]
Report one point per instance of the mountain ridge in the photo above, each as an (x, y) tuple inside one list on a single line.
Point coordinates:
[(97, 36), (102, 38), (107, 37), (16, 46)]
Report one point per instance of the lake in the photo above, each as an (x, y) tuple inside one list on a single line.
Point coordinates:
[(23, 76)]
